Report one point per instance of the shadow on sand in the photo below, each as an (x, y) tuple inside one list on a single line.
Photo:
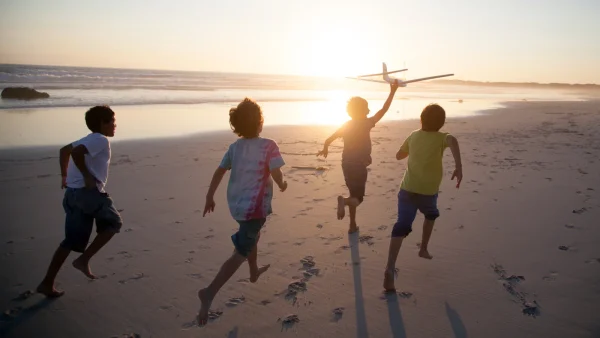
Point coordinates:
[(459, 329), (361, 318), (9, 323)]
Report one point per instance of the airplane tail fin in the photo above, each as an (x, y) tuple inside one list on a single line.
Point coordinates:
[(386, 77)]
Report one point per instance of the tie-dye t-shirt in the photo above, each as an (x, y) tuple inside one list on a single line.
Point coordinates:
[(250, 188)]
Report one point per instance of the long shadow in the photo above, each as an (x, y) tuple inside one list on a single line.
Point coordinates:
[(9, 324), (459, 329), (361, 318), (395, 315)]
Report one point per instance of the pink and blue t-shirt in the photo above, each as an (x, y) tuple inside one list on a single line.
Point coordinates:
[(250, 188)]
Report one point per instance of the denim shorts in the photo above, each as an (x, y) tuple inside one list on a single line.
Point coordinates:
[(83, 206), (355, 175), (408, 204), (247, 236)]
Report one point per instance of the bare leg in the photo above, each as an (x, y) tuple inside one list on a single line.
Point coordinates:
[(388, 280), (427, 229), (352, 203), (82, 263), (47, 286), (255, 271), (341, 208), (207, 295)]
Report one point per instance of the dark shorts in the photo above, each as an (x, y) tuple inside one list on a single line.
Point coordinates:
[(355, 175), (82, 207), (247, 236), (408, 204)]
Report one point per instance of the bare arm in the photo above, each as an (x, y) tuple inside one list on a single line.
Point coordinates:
[(386, 106), (65, 153), (214, 184), (400, 155), (278, 178), (333, 137), (78, 155), (453, 144)]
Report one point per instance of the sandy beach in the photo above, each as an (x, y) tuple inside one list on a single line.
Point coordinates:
[(515, 250)]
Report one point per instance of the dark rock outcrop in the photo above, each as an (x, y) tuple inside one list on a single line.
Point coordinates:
[(23, 93)]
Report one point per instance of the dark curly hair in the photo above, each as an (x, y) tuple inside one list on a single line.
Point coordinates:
[(96, 116), (433, 117), (246, 119)]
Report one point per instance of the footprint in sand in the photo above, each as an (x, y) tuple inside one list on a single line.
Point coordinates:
[(194, 275), (189, 260), (235, 301), (137, 276), (551, 276), (564, 248), (308, 262), (579, 211), (366, 239), (265, 302), (288, 321), (337, 314), (128, 335), (12, 313), (382, 227), (209, 237), (405, 294), (24, 295)]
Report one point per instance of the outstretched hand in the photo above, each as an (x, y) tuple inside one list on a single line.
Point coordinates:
[(458, 175), (323, 153)]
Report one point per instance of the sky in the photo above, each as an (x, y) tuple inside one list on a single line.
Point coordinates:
[(483, 40)]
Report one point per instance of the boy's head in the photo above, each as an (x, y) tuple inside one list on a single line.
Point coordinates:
[(246, 120), (433, 117), (101, 119), (357, 108)]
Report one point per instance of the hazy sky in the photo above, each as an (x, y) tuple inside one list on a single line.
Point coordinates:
[(509, 40)]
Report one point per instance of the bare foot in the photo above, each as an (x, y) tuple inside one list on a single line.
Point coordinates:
[(341, 210), (388, 281), (49, 291), (353, 228), (425, 254), (260, 271), (83, 267), (205, 301)]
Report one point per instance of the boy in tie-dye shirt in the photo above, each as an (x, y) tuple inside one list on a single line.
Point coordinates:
[(253, 161)]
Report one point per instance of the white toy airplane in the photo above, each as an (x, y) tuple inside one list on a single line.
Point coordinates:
[(388, 79)]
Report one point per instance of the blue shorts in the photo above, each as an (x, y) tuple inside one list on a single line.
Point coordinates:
[(408, 204), (247, 236), (83, 206)]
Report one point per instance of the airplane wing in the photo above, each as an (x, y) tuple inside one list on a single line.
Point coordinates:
[(363, 79), (377, 74), (426, 78)]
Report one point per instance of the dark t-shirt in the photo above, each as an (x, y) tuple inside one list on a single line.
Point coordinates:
[(357, 141)]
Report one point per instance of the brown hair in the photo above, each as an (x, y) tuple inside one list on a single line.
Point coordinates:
[(246, 119), (357, 107), (433, 117)]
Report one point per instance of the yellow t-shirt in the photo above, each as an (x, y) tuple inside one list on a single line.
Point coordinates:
[(425, 150)]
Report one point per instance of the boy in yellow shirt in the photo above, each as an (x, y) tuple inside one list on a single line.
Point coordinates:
[(419, 190)]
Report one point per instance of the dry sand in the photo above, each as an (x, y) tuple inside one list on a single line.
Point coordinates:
[(531, 189)]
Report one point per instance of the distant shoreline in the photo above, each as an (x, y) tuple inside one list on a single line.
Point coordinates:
[(558, 85)]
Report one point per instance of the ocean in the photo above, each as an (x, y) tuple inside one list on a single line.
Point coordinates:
[(161, 103)]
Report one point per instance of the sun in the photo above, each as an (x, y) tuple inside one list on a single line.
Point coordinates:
[(336, 50), (332, 110)]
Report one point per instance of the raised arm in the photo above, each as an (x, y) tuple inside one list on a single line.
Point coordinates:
[(333, 137), (209, 206), (65, 153), (386, 106), (455, 149)]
